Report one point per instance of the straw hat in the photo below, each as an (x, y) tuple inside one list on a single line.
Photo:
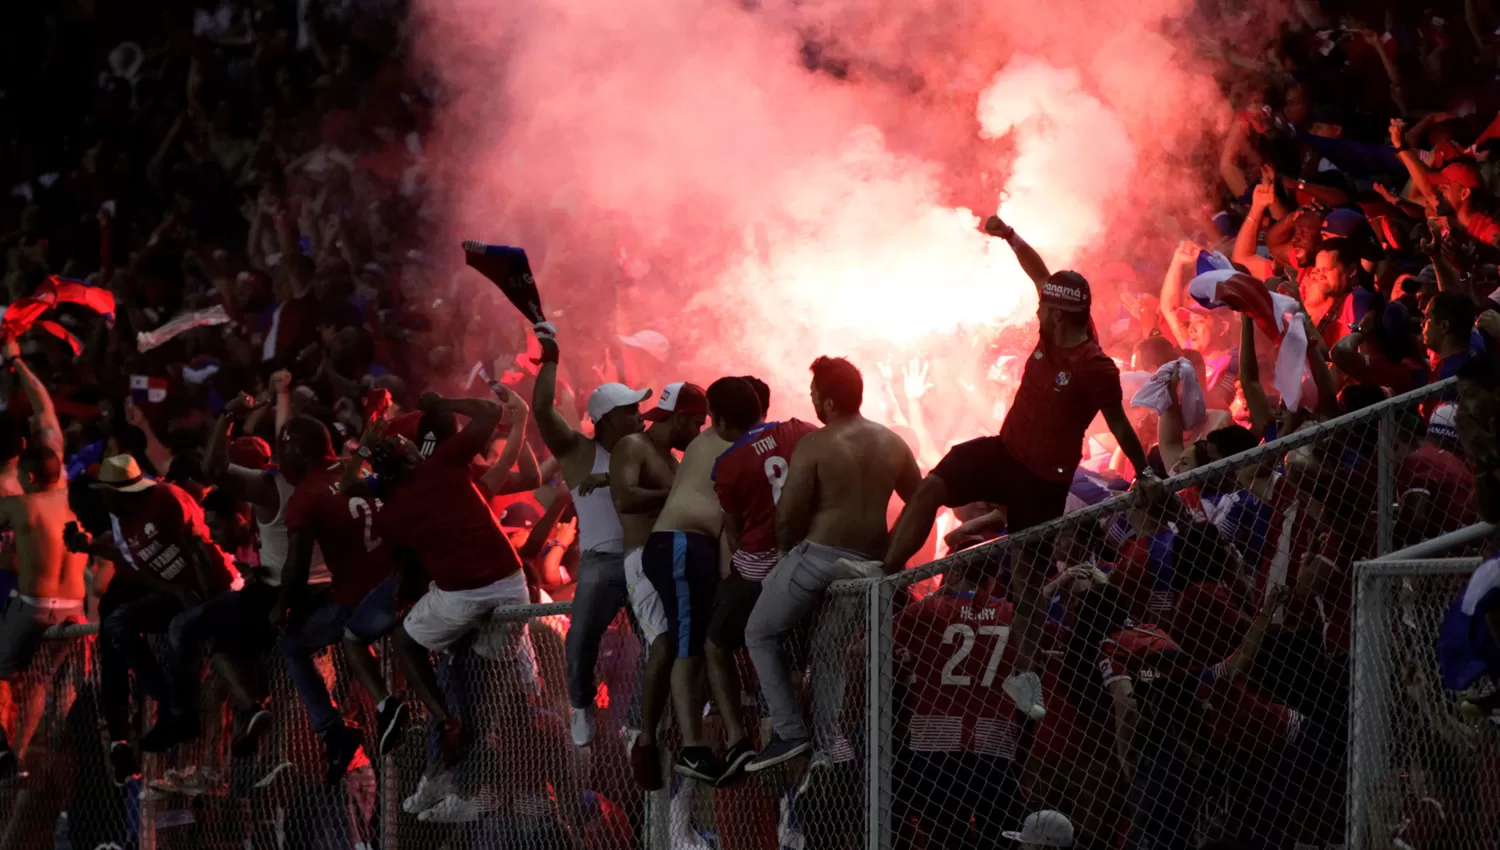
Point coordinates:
[(123, 475)]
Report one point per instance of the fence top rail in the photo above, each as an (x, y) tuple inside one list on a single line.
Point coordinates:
[(1191, 478), (1442, 543), (1415, 567)]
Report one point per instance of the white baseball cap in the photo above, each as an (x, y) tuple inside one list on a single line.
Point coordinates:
[(1444, 422), (649, 341), (1046, 828), (610, 396)]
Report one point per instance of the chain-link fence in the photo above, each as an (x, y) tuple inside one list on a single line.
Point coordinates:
[(1193, 645), (1425, 765)]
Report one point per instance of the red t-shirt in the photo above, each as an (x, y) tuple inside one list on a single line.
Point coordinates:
[(1237, 716), (954, 655), (344, 528), (152, 539), (1142, 653), (748, 477), (439, 513), (1062, 390), (1446, 479)]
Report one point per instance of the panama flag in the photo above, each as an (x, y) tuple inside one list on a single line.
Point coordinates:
[(147, 390), (1274, 313)]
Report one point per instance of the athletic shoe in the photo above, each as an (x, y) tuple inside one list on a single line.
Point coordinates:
[(455, 809), (390, 724), (1025, 690), (699, 763), (122, 764), (777, 752), (645, 765), (430, 791), (735, 760), (583, 727), (341, 747), (247, 742)]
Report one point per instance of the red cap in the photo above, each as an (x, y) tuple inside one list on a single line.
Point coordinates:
[(1463, 174), (688, 398), (249, 452)]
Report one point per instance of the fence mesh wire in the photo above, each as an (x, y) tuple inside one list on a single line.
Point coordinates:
[(1194, 653), (1425, 774)]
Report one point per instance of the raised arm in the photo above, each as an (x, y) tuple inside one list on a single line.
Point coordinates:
[(1130, 443), (557, 434), (1030, 260), (483, 415), (1248, 238), (1240, 663), (498, 475), (1256, 401), (246, 485), (47, 429), (1317, 363), (1185, 257)]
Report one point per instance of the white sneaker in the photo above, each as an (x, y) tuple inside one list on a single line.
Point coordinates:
[(453, 809), (583, 727), (430, 791), (1025, 690), (848, 568)]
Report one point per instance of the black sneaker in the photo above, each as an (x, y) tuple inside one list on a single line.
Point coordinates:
[(341, 747), (390, 724), (247, 742), (699, 763), (168, 733), (122, 764), (8, 765), (735, 760)]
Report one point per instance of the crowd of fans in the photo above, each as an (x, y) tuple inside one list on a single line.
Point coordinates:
[(250, 419)]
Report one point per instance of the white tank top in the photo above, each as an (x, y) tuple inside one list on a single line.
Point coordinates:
[(599, 527), (275, 543)]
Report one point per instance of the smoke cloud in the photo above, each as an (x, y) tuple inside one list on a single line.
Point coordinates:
[(764, 183)]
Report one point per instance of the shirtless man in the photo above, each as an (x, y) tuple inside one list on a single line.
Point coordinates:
[(601, 590), (830, 521), (50, 586), (641, 470)]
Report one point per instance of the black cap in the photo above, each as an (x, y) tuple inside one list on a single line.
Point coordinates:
[(1067, 290)]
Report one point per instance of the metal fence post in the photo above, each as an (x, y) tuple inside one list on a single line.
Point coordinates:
[(878, 748), (389, 779), (1386, 487)]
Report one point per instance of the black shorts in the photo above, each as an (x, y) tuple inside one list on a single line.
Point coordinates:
[(683, 567), (984, 470), (732, 607)]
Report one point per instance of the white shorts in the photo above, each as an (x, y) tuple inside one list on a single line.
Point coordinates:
[(650, 616), (441, 617)]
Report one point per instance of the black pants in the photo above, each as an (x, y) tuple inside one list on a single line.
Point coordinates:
[(945, 792), (236, 623), (128, 612)]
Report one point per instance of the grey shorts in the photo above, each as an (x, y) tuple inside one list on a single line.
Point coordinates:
[(22, 625)]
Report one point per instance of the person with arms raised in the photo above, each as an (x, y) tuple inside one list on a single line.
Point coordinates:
[(1028, 468)]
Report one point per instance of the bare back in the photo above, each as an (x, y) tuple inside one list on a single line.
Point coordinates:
[(858, 464), (635, 464), (47, 569), (693, 505)]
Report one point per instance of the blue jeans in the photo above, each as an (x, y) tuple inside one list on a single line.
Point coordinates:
[(599, 596), (373, 618)]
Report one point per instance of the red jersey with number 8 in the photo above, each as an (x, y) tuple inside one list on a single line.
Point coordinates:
[(954, 654), (748, 477), (344, 528)]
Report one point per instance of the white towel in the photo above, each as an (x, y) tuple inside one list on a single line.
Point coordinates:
[(1154, 395)]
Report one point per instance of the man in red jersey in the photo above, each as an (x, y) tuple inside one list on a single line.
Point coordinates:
[(435, 519), (748, 479), (1028, 468), (953, 650), (161, 549), (342, 526)]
